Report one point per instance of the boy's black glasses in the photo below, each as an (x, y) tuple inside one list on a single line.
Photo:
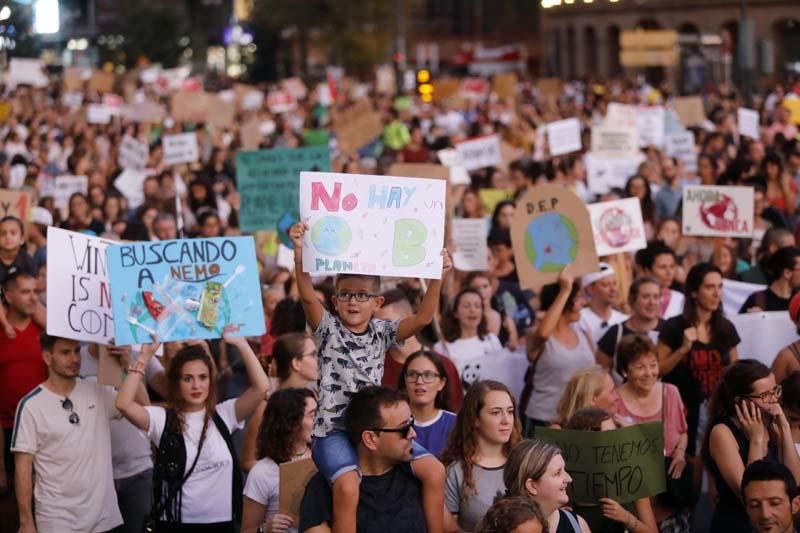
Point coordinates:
[(345, 296), (66, 403), (404, 431)]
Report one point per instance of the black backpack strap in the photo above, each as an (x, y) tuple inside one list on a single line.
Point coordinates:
[(238, 483)]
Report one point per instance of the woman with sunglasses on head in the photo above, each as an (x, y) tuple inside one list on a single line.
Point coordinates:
[(294, 356), (284, 436), (747, 424), (424, 379), (486, 431), (195, 468)]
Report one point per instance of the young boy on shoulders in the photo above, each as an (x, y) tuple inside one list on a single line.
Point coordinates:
[(352, 346)]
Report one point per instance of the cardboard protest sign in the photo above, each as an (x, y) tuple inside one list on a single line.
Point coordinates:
[(380, 225), (146, 111), (23, 71), (622, 464), (480, 152), (615, 142), (504, 85), (73, 78), (690, 110), (564, 136), (131, 184), (748, 122), (420, 170), (469, 236), (445, 88), (357, 126), (491, 197), (180, 148), (294, 476), (66, 186), (474, 88), (549, 87), (15, 203), (281, 102), (763, 334), (189, 106), (78, 294), (133, 153), (450, 158), (718, 211), (550, 230), (650, 123), (618, 226), (101, 82), (269, 184), (604, 173), (221, 114), (681, 146), (185, 289)]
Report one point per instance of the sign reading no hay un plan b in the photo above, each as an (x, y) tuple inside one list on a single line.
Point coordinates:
[(376, 225), (551, 229), (185, 289)]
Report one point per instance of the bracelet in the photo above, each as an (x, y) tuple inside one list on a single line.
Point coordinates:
[(679, 447), (133, 369)]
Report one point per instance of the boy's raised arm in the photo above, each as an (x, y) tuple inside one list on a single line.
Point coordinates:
[(305, 287), (411, 325)]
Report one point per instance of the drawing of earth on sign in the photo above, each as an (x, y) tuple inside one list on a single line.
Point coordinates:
[(331, 235), (551, 242), (616, 227)]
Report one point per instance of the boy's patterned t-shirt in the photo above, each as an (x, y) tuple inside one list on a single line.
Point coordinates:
[(348, 362)]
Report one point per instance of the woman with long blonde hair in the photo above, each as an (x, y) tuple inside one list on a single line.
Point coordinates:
[(589, 387), (486, 430)]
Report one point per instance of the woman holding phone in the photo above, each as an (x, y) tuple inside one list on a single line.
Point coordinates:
[(747, 424)]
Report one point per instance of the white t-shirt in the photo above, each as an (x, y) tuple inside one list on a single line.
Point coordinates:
[(207, 492), (675, 305), (595, 326), (73, 488), (466, 354), (263, 486)]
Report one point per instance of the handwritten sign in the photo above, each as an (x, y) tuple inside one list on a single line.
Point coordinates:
[(615, 142), (131, 184), (564, 136), (269, 184), (680, 145), (718, 211), (189, 106), (379, 225), (748, 122), (185, 289), (221, 114), (98, 114), (469, 236), (15, 203), (181, 148), (622, 464), (620, 116), (504, 85), (281, 102), (550, 230), (296, 87), (78, 293), (450, 158), (133, 153), (618, 226), (480, 152), (294, 476), (604, 173), (66, 186), (690, 110), (23, 71), (650, 123)]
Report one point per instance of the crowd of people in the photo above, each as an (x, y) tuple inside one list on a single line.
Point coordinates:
[(379, 381)]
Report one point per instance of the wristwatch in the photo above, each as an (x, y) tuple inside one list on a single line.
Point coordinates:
[(260, 529)]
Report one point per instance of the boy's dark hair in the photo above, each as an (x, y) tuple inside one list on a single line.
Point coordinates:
[(47, 342), (364, 411), (12, 218), (499, 236), (766, 470), (508, 513), (375, 280)]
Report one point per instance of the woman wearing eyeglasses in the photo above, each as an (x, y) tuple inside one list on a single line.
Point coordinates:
[(486, 430), (747, 424), (424, 379), (294, 357)]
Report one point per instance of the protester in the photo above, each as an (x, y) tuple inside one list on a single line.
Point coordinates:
[(588, 387), (660, 262), (194, 425), (599, 315), (485, 432), (558, 348), (62, 433), (501, 324), (788, 359), (774, 239), (785, 281), (769, 493), (516, 514), (746, 417), (284, 436), (424, 379), (790, 401)]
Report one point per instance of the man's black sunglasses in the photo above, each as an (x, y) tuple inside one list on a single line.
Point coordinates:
[(66, 403), (404, 430)]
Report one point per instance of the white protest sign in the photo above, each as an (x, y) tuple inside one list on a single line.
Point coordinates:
[(66, 186), (133, 153), (450, 158), (681, 146), (98, 114), (72, 99), (281, 102), (620, 116), (735, 293), (181, 148), (718, 211), (650, 123), (615, 142), (26, 72), (617, 226), (748, 122), (252, 100), (564, 136), (469, 236), (480, 152), (376, 225), (604, 173), (763, 334), (131, 184), (296, 87), (16, 176), (78, 294)]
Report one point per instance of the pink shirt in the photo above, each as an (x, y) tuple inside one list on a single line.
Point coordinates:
[(674, 416)]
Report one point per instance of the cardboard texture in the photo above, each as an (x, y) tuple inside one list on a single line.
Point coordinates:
[(690, 110), (357, 126), (294, 476), (102, 82), (504, 85), (190, 106), (551, 229)]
